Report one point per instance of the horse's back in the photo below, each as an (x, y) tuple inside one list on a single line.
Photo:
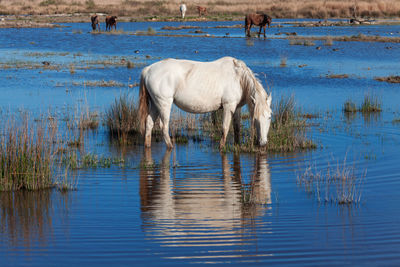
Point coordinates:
[(194, 86), (188, 69)]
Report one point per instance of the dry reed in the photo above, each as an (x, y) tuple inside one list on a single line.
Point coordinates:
[(338, 183)]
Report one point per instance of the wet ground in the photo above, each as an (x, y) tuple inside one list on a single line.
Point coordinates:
[(191, 205)]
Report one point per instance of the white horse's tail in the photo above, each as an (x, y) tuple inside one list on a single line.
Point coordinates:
[(143, 104)]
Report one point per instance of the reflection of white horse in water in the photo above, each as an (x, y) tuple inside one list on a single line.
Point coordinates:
[(173, 205), (182, 8), (200, 87)]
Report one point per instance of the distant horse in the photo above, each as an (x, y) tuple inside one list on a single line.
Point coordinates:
[(95, 21), (110, 22), (200, 87), (202, 10), (258, 20), (182, 8)]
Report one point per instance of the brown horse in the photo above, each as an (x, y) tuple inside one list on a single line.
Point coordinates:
[(110, 22), (95, 21), (258, 20), (202, 10)]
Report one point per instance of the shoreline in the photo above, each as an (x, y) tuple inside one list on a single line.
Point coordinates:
[(54, 21)]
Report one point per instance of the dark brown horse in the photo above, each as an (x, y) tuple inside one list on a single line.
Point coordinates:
[(202, 10), (257, 20), (110, 22), (95, 21)]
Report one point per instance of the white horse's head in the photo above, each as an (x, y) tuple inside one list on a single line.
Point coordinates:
[(262, 117), (258, 100)]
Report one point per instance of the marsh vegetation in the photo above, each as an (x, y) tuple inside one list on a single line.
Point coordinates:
[(337, 183), (227, 10), (29, 155), (370, 104)]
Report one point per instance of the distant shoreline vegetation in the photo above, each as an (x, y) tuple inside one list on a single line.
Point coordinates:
[(216, 10)]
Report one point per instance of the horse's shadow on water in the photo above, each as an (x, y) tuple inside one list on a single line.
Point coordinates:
[(187, 195)]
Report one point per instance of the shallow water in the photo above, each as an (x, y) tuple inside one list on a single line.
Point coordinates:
[(191, 205)]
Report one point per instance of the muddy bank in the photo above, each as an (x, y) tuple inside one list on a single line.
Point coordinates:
[(50, 21), (14, 23)]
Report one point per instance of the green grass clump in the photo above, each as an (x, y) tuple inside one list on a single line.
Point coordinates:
[(151, 31), (29, 156), (288, 128), (370, 104), (122, 120), (349, 107), (287, 132), (25, 160), (95, 161)]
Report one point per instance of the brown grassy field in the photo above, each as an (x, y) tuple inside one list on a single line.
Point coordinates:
[(217, 9)]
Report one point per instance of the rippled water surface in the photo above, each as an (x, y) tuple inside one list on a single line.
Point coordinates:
[(194, 205)]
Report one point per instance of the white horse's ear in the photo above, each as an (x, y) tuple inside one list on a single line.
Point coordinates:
[(253, 99), (269, 99)]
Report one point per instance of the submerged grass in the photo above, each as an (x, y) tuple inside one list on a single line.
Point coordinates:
[(90, 160)]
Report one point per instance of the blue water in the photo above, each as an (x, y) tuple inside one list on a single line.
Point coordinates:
[(188, 208)]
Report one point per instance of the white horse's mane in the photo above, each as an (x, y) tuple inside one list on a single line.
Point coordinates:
[(255, 94)]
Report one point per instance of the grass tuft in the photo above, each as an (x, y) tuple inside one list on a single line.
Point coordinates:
[(349, 107), (336, 183), (370, 104), (122, 119), (286, 134), (29, 154)]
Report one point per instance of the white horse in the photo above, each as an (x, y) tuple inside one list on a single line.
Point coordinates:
[(182, 8), (200, 87)]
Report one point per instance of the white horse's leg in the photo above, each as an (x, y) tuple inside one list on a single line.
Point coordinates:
[(151, 118), (226, 122), (164, 116), (236, 125), (149, 127)]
